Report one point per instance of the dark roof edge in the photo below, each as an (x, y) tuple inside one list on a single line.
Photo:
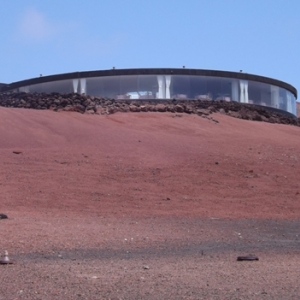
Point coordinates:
[(149, 71)]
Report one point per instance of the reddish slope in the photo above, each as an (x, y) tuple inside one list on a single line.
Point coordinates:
[(147, 206), (132, 163)]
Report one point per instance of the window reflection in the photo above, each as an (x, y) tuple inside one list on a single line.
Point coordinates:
[(95, 86), (198, 88), (148, 86), (180, 87), (62, 86), (173, 86), (111, 86)]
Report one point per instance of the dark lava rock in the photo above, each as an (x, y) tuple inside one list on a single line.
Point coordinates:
[(102, 106)]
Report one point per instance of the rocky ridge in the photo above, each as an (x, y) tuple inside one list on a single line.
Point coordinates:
[(104, 106)]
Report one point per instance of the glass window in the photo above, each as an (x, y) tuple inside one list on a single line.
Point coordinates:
[(198, 88), (254, 92), (163, 86), (259, 93), (148, 86), (282, 98), (111, 86), (180, 87), (274, 96), (225, 90), (214, 87), (291, 103), (61, 86), (235, 91), (94, 86), (129, 86)]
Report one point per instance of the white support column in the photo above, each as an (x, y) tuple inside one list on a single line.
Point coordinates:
[(244, 98), (289, 102), (168, 83), (246, 91), (161, 87), (235, 91), (242, 91), (24, 89), (75, 85), (83, 86), (275, 96)]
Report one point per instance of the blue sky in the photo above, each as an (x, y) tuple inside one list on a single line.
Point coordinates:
[(59, 36)]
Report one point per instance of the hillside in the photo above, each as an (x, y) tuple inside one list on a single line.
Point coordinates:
[(80, 190)]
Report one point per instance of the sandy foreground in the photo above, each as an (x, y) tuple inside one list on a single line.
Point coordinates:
[(148, 206)]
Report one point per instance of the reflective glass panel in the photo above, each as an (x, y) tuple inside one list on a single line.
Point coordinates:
[(147, 86), (94, 86), (111, 86), (214, 87), (166, 86), (62, 86), (259, 93), (198, 88), (129, 86), (180, 87)]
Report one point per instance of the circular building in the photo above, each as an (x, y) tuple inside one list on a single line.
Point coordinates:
[(167, 83)]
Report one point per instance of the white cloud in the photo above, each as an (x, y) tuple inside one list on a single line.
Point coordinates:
[(35, 26)]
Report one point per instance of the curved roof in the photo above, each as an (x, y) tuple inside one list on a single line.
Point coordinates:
[(150, 71)]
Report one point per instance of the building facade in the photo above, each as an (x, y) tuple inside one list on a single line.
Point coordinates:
[(166, 83)]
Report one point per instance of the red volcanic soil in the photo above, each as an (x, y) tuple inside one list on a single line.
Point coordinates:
[(148, 206)]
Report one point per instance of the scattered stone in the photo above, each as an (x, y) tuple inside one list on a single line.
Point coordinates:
[(134, 108), (5, 259), (90, 112), (179, 108), (103, 106), (234, 114), (247, 258), (146, 267), (17, 152), (3, 216), (161, 108), (144, 108)]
